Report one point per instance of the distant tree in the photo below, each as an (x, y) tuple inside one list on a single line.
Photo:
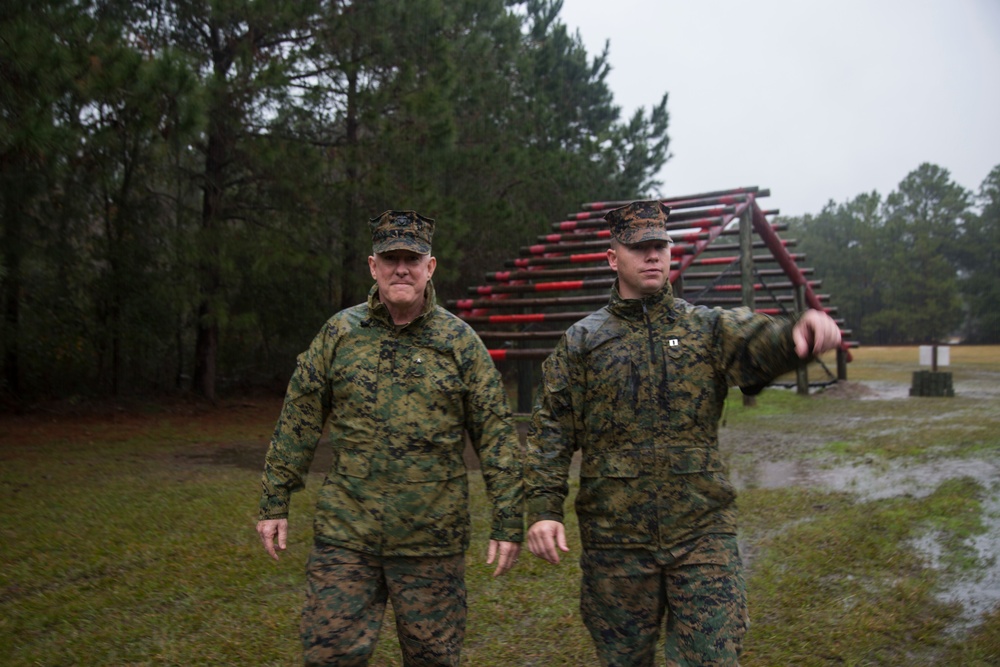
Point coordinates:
[(845, 243), (42, 56), (924, 218), (980, 262), (893, 266), (553, 140), (243, 52), (137, 100), (184, 185)]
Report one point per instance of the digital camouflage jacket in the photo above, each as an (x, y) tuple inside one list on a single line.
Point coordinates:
[(397, 402), (639, 387)]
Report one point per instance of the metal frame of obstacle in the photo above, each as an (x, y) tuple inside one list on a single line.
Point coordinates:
[(726, 253)]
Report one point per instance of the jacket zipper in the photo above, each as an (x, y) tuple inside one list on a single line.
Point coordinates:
[(664, 403)]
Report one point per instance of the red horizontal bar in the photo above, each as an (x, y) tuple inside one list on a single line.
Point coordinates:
[(475, 312), (569, 238), (553, 287), (701, 222), (516, 319), (687, 238)]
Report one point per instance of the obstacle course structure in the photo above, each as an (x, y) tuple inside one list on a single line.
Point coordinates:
[(726, 253)]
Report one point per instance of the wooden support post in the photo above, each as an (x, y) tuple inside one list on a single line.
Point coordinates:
[(841, 364), (801, 373), (746, 273), (746, 259), (525, 381)]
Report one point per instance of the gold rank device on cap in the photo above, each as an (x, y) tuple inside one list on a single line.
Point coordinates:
[(639, 221), (401, 230)]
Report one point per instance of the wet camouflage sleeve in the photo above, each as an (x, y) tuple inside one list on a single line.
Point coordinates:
[(754, 348), (553, 436), (293, 443), (491, 430)]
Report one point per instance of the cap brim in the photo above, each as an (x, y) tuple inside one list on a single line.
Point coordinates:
[(646, 236), (412, 245)]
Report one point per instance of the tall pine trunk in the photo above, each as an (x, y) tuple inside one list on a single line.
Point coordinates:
[(12, 294), (218, 155)]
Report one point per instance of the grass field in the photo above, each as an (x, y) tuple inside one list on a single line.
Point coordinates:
[(869, 523)]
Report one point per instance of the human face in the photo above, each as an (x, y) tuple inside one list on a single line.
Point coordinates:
[(402, 276), (643, 268)]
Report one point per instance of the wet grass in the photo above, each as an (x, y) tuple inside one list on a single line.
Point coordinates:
[(836, 587), (837, 578), (834, 581), (128, 539)]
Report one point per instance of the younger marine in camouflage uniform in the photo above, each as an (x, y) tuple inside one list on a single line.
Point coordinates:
[(639, 387), (398, 381)]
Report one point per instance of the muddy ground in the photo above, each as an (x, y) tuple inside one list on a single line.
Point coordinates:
[(790, 450), (795, 454)]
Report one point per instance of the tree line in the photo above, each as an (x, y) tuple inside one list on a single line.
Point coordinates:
[(921, 265), (185, 184)]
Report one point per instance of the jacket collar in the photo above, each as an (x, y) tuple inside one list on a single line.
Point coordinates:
[(379, 313), (655, 306)]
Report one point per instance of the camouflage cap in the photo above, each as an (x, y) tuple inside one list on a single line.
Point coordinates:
[(639, 221), (401, 230)]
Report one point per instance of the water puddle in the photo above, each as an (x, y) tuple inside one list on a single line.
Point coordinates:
[(868, 481), (977, 592), (873, 479)]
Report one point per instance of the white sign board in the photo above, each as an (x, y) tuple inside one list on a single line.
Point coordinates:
[(927, 355)]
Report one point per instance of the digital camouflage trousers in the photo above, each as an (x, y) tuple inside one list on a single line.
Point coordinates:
[(346, 594), (698, 587)]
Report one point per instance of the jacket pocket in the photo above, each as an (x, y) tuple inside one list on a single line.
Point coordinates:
[(685, 460), (620, 463), (614, 504), (434, 385), (352, 464), (417, 468)]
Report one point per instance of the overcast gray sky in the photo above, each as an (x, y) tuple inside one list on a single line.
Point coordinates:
[(814, 100)]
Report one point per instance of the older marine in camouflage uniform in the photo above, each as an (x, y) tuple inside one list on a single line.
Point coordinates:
[(398, 382), (639, 387)]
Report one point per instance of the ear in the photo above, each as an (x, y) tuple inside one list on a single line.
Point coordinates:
[(371, 265), (612, 259), (431, 265)]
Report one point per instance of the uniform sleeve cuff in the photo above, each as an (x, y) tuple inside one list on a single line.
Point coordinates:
[(544, 508)]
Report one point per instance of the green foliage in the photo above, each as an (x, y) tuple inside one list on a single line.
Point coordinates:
[(916, 267), (980, 261), (186, 184)]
